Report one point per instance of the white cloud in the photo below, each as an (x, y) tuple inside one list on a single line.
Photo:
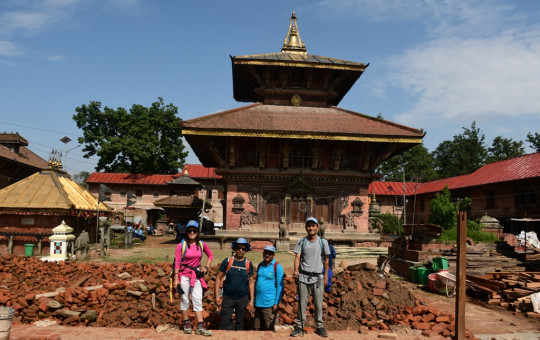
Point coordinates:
[(8, 49), (56, 58)]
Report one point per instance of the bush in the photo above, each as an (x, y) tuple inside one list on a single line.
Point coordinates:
[(390, 224), (473, 231)]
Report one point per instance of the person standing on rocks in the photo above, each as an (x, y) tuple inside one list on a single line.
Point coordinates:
[(311, 272), (238, 287), (269, 286), (189, 276)]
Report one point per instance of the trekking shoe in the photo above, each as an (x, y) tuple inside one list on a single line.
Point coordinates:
[(321, 332), (187, 327), (202, 330), (297, 331)]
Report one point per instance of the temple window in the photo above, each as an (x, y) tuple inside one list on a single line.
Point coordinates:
[(357, 207), (238, 204)]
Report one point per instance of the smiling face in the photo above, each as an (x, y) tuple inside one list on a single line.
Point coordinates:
[(192, 233), (240, 250), (312, 228), (268, 255)]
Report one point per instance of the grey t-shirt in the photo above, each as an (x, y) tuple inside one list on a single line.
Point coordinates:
[(311, 259)]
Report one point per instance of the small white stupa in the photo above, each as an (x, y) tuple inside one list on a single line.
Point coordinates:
[(59, 242)]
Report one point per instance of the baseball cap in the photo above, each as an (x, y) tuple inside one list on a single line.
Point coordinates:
[(312, 219), (270, 248)]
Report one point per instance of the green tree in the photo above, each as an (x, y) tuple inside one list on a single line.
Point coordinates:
[(417, 161), (504, 148), (444, 209), (462, 155), (145, 140), (534, 140), (81, 177)]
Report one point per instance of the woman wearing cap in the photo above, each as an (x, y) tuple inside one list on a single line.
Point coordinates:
[(190, 276), (238, 286), (268, 290)]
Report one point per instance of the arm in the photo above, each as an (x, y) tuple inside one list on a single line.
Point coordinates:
[(326, 266), (297, 266), (280, 287), (177, 258), (210, 256), (251, 303), (217, 286)]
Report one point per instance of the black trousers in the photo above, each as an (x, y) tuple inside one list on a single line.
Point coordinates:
[(238, 306)]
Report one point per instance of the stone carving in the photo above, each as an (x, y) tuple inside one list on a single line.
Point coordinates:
[(349, 222), (246, 219), (82, 246), (343, 202), (253, 199), (283, 228)]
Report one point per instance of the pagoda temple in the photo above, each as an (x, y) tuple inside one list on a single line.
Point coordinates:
[(293, 153)]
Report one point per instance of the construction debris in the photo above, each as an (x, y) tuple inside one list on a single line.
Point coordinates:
[(360, 299)]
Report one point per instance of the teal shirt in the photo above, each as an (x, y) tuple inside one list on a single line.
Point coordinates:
[(267, 293)]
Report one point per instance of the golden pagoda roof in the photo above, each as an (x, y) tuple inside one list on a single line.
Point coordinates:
[(48, 190)]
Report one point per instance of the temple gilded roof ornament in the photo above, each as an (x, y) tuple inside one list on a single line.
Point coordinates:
[(293, 43)]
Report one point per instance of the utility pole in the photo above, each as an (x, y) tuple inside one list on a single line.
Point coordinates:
[(404, 190)]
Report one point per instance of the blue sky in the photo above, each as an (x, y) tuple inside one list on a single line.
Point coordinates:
[(436, 65)]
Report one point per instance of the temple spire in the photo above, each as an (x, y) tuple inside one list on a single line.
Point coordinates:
[(293, 43)]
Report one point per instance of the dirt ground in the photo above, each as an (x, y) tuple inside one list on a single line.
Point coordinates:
[(485, 321)]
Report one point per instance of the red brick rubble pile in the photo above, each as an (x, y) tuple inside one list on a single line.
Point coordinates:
[(137, 295)]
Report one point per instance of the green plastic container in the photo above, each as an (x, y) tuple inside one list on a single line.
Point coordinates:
[(412, 274), (28, 249), (439, 263), (423, 275)]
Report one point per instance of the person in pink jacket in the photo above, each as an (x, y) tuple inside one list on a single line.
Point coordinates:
[(189, 276)]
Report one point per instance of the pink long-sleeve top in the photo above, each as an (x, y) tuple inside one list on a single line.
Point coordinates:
[(192, 258)]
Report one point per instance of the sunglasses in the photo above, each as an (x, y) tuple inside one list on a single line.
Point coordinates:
[(192, 231), (266, 253), (241, 248)]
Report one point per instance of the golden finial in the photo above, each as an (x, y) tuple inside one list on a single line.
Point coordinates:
[(293, 43)]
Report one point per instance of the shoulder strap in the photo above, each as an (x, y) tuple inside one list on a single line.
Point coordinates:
[(184, 249), (229, 265), (202, 246)]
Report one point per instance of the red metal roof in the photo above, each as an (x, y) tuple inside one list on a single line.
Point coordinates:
[(194, 170), (514, 169), (391, 188), (200, 171)]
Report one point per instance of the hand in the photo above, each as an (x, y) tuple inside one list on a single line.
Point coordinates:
[(296, 274), (274, 308), (217, 300), (250, 307), (204, 270), (326, 280)]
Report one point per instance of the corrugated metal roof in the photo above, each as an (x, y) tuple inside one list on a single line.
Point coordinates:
[(391, 188), (200, 171), (48, 190), (118, 178), (299, 58), (514, 169)]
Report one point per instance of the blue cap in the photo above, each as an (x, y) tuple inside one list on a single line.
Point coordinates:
[(241, 240), (193, 224), (270, 248), (312, 219)]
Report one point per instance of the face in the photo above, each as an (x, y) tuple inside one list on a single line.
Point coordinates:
[(240, 249), (192, 232), (268, 255), (312, 228)]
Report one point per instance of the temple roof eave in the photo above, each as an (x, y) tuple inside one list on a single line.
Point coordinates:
[(289, 135)]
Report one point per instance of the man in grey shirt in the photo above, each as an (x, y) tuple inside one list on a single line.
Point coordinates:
[(311, 272)]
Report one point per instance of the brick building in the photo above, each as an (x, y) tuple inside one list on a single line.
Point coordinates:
[(16, 160)]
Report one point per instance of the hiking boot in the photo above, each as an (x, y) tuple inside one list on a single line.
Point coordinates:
[(187, 327), (297, 331), (202, 330), (321, 332)]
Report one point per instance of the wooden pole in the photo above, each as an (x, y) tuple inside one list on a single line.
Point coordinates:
[(461, 274)]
